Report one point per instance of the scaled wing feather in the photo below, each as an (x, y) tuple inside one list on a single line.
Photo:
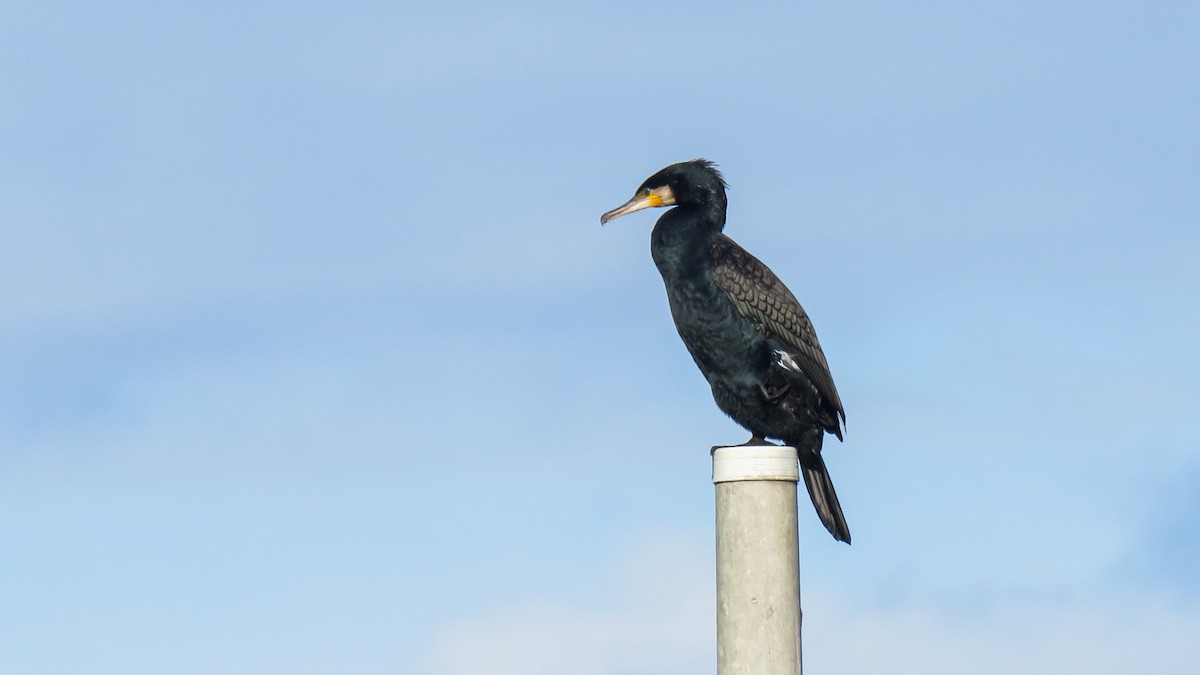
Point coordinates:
[(762, 298)]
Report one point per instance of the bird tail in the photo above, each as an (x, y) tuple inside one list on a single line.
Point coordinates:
[(824, 497)]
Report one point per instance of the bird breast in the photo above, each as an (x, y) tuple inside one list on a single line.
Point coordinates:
[(723, 344)]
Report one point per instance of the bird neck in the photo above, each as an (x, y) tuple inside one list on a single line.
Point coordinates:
[(682, 239)]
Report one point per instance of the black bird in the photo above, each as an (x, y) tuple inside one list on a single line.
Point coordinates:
[(742, 326)]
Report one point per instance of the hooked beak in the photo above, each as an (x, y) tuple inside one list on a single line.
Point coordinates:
[(644, 199)]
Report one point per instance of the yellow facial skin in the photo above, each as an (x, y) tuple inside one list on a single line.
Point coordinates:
[(644, 199)]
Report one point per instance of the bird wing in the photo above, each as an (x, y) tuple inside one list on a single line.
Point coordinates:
[(761, 298)]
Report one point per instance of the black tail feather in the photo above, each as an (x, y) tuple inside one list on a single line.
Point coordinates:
[(824, 497)]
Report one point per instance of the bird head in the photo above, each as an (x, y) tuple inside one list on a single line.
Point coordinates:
[(694, 183)]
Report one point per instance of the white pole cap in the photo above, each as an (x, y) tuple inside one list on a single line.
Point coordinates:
[(755, 462)]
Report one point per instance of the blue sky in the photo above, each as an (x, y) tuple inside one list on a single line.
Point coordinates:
[(314, 357)]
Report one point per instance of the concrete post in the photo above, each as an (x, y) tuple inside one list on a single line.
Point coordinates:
[(758, 561)]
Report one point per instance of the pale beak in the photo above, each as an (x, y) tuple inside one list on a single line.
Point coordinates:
[(636, 204)]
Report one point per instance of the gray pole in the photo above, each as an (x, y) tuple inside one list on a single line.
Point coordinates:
[(758, 561)]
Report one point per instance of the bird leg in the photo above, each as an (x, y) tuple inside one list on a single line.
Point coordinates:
[(773, 391)]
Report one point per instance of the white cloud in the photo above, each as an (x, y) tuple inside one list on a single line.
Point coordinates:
[(1098, 634), (661, 620)]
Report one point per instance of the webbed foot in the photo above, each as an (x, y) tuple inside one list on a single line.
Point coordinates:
[(754, 440)]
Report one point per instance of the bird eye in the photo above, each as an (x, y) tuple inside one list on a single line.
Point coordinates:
[(644, 192)]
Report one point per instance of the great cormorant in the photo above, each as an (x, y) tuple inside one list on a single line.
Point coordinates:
[(742, 326)]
